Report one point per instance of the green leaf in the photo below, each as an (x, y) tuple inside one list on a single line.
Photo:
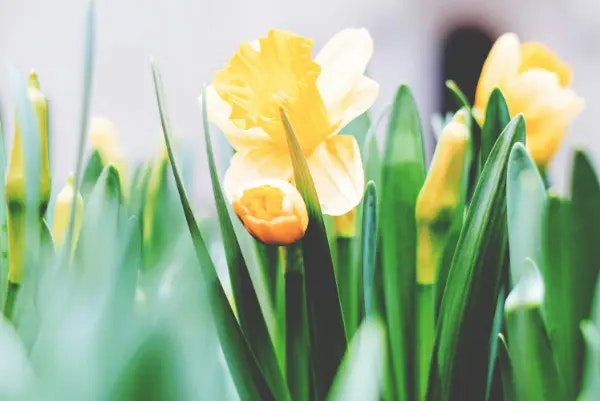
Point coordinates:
[(297, 336), (525, 202), (506, 370), (249, 379), (93, 168), (369, 249), (18, 378), (361, 372), (328, 339), (591, 387), (461, 353), (557, 269), (248, 308), (497, 117), (535, 373), (571, 255), (403, 174), (86, 98)]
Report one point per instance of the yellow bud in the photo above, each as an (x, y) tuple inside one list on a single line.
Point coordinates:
[(103, 137), (273, 211), (439, 197), (15, 184), (15, 175), (62, 213), (345, 225)]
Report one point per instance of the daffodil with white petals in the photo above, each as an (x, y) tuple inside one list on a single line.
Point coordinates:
[(534, 82), (320, 96)]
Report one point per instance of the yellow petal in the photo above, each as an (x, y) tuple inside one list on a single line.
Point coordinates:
[(548, 109), (280, 74), (501, 64), (356, 101), (62, 214), (336, 168), (254, 164), (218, 112), (537, 55), (273, 211), (343, 61)]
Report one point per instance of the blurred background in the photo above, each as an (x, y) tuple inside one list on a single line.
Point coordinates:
[(418, 42)]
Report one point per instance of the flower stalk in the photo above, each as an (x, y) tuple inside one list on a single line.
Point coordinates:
[(435, 210)]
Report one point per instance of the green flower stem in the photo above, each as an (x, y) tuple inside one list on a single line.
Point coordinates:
[(297, 339), (11, 296), (425, 335), (347, 282)]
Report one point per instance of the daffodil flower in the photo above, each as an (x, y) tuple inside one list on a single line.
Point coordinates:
[(273, 211), (534, 82), (103, 138), (320, 96)]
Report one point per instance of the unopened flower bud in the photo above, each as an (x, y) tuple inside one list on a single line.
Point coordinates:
[(272, 211), (439, 197), (104, 139), (15, 185), (62, 214)]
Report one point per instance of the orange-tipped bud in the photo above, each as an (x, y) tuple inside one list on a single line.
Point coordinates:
[(273, 211)]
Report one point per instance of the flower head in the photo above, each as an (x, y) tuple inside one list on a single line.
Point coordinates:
[(320, 97), (62, 213), (272, 211), (103, 137), (534, 82)]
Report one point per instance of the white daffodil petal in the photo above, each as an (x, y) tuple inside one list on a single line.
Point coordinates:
[(336, 169), (255, 164), (218, 112), (355, 102), (501, 64), (343, 61)]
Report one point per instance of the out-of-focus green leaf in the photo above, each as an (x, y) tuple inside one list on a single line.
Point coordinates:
[(461, 353), (591, 380), (535, 375), (93, 168), (525, 202), (458, 94), (249, 379), (361, 373), (403, 174), (328, 339), (248, 308), (17, 381)]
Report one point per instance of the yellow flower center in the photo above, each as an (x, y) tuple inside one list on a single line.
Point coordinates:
[(266, 202), (277, 73), (537, 55), (272, 212)]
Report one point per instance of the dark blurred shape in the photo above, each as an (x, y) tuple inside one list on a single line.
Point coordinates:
[(464, 50)]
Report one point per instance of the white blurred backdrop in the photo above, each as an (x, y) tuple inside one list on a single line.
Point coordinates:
[(191, 39)]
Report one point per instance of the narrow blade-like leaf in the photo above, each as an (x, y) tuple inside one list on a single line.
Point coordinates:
[(328, 339), (248, 308), (461, 353), (403, 175), (249, 379)]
